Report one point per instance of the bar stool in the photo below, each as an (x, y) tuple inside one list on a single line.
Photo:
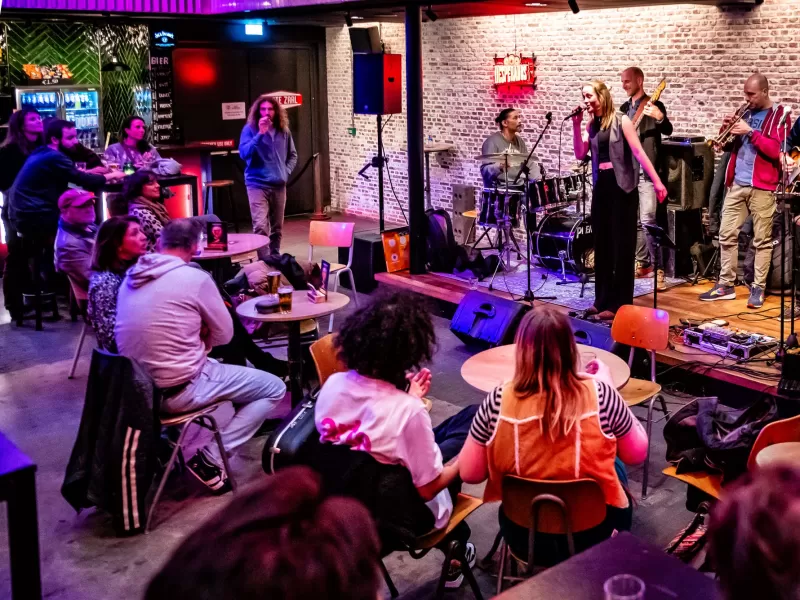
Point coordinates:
[(35, 249), (203, 418), (223, 185)]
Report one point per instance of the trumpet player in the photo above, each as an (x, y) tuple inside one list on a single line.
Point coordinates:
[(754, 140)]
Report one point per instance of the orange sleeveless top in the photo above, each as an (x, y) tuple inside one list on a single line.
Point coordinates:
[(520, 447)]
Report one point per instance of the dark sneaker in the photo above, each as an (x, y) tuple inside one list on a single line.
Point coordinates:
[(210, 474), (719, 292), (756, 299), (456, 576), (787, 312)]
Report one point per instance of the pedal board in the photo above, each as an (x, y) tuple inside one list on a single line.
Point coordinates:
[(727, 341)]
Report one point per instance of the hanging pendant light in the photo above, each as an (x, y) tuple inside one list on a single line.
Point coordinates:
[(114, 66)]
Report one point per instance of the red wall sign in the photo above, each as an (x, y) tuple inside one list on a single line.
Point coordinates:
[(288, 99), (514, 71)]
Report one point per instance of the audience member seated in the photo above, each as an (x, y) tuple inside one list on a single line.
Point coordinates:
[(552, 422), (754, 535), (169, 316), (76, 235), (376, 406), (120, 243), (81, 154), (133, 146), (279, 539)]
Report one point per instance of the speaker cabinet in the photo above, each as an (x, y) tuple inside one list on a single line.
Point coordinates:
[(463, 198), (684, 227), (365, 40), (690, 170), (377, 84), (368, 259)]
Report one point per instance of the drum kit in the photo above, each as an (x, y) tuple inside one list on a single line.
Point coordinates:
[(556, 220)]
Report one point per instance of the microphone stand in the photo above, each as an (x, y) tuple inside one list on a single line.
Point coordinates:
[(525, 169), (791, 341)]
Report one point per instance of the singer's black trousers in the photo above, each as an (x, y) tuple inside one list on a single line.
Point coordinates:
[(614, 216)]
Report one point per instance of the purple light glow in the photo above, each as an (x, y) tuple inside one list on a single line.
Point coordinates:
[(205, 7)]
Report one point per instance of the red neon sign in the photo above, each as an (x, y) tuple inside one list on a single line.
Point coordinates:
[(514, 71)]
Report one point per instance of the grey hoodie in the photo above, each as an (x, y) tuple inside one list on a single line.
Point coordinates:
[(162, 304)]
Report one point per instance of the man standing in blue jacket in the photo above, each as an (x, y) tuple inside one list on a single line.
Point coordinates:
[(266, 145)]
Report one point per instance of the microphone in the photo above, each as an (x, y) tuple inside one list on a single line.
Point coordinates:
[(574, 113), (787, 110), (549, 116)]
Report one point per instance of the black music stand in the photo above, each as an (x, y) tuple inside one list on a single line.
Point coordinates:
[(660, 240)]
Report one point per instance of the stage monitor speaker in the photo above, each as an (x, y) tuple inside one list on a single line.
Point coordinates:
[(365, 40), (368, 259), (484, 320), (377, 84), (685, 228), (690, 171)]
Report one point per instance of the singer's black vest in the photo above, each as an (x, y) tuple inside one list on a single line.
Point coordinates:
[(626, 168)]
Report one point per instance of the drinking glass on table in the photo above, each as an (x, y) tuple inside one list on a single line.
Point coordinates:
[(81, 166), (285, 298), (624, 587)]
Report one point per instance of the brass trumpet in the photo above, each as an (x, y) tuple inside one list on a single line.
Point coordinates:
[(726, 137)]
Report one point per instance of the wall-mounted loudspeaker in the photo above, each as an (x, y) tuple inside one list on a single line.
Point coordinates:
[(377, 84), (365, 40)]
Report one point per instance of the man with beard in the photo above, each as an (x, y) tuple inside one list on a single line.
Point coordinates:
[(33, 202), (506, 141)]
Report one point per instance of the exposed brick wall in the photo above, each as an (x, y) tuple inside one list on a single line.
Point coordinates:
[(705, 53)]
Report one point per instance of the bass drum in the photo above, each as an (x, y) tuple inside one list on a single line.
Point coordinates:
[(570, 234)]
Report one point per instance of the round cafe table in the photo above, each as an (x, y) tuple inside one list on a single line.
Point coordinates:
[(241, 247), (783, 453), (302, 309), (488, 369)]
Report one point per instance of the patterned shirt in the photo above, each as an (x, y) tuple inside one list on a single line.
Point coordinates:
[(102, 308), (616, 418), (151, 226)]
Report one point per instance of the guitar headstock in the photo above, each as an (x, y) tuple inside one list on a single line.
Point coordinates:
[(660, 88)]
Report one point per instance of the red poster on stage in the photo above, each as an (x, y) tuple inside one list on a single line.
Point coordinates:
[(514, 71)]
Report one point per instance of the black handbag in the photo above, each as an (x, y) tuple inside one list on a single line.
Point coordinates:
[(485, 320), (289, 443)]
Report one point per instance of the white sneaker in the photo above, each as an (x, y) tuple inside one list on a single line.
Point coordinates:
[(456, 576)]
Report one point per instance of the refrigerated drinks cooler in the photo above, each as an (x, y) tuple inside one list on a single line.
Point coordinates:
[(77, 103)]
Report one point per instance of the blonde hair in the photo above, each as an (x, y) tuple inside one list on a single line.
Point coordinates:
[(547, 364), (603, 94)]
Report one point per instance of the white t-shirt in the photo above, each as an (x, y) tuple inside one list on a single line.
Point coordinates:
[(393, 426)]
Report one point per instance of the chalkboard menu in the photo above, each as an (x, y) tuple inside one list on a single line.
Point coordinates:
[(164, 130)]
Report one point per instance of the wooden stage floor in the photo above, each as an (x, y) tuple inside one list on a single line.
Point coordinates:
[(681, 302)]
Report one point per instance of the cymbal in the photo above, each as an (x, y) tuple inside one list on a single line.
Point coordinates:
[(514, 160)]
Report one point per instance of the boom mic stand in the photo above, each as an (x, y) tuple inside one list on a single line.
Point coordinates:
[(378, 162), (525, 169), (791, 341)]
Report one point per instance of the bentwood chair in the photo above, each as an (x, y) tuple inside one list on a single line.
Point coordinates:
[(550, 507), (81, 297), (648, 329), (338, 235)]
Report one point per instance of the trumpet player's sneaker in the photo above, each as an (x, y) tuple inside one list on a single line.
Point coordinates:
[(756, 299), (719, 292)]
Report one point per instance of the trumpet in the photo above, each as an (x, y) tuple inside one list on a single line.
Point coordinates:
[(726, 137)]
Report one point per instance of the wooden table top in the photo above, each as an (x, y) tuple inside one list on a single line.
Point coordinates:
[(238, 243), (582, 576), (488, 369), (438, 147), (784, 453), (301, 308)]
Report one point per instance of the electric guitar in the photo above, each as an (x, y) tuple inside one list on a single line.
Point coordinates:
[(637, 118)]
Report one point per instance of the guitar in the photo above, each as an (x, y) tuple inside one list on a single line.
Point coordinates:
[(637, 118)]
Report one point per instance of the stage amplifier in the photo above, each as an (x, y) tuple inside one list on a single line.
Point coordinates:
[(728, 342)]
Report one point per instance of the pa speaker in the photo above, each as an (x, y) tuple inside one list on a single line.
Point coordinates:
[(377, 84), (368, 259), (690, 170), (365, 40)]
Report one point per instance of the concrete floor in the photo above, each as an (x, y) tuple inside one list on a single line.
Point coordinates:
[(81, 558)]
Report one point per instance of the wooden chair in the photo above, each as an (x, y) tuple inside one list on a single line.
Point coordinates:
[(648, 329), (777, 432), (338, 235), (203, 418), (327, 363), (555, 507), (81, 298)]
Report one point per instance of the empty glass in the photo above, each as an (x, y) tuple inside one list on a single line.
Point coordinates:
[(624, 587)]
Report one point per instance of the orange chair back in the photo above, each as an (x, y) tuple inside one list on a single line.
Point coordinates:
[(641, 327), (81, 294), (328, 233), (586, 504), (777, 432), (324, 355)]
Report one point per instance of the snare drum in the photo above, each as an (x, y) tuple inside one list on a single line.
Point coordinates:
[(497, 207), (568, 233)]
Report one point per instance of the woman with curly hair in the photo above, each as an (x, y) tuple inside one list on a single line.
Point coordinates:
[(376, 406), (266, 145)]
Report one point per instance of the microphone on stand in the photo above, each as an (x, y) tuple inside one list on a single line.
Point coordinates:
[(574, 113), (549, 116), (787, 110)]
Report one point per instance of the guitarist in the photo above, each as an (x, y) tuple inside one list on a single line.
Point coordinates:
[(653, 125)]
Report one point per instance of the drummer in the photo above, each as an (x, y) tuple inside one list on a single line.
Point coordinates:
[(508, 141)]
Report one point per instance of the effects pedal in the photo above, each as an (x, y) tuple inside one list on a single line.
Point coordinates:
[(727, 341)]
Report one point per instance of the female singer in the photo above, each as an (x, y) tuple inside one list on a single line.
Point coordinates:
[(616, 157)]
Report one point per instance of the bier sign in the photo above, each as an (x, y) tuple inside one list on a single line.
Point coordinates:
[(515, 71)]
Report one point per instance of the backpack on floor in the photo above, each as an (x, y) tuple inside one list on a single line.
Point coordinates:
[(442, 246)]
